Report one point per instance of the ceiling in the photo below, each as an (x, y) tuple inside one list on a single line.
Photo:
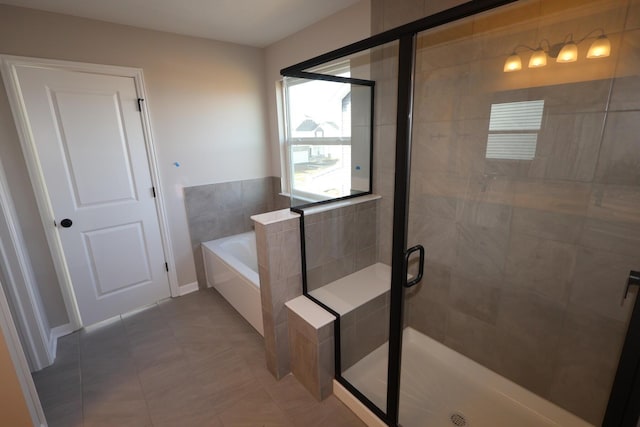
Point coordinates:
[(249, 22)]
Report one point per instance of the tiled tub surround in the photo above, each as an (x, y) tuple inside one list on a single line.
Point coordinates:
[(280, 269), (231, 266), (224, 209), (526, 260)]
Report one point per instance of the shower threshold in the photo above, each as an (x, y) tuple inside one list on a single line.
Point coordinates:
[(442, 388)]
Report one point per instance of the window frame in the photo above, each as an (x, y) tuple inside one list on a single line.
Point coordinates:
[(287, 142)]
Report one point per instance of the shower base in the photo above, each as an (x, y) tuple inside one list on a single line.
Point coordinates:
[(442, 388)]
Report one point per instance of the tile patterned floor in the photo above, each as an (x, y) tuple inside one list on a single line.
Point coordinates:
[(190, 361)]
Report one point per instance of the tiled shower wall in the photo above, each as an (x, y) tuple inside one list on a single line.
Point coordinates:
[(224, 209), (526, 260), (364, 329), (340, 242)]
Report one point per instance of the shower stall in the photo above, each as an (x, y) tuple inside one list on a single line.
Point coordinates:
[(493, 277)]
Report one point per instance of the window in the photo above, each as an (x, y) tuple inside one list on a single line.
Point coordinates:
[(513, 130), (326, 131), (318, 138)]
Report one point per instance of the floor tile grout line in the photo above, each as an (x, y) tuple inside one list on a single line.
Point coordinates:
[(122, 325), (146, 401), (135, 361), (82, 377)]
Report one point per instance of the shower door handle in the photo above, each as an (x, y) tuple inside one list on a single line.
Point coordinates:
[(418, 278)]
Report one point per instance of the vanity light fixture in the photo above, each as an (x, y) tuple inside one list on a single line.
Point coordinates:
[(513, 63), (600, 48), (538, 58), (568, 53), (563, 52)]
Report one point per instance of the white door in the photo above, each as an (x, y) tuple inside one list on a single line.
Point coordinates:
[(90, 145)]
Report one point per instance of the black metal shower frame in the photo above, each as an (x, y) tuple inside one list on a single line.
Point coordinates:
[(625, 395)]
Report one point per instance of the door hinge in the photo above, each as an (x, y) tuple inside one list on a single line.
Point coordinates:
[(140, 101), (166, 266), (153, 191)]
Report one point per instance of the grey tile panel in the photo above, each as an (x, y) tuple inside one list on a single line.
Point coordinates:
[(224, 209)]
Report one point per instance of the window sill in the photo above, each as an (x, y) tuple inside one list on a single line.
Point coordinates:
[(341, 204)]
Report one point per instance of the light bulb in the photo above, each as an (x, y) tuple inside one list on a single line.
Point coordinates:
[(513, 63), (538, 59), (600, 48), (568, 53)]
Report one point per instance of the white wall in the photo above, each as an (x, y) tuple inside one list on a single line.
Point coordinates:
[(207, 105), (347, 26)]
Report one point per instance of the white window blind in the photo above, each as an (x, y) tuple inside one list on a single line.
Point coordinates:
[(513, 130)]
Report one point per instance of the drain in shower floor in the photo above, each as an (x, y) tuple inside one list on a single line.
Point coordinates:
[(458, 420)]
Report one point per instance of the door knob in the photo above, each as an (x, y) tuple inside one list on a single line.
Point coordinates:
[(66, 223)]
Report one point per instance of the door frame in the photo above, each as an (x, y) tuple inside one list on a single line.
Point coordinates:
[(21, 285), (8, 64), (20, 365)]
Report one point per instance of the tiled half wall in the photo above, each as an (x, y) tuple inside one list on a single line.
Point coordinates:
[(278, 244), (339, 240)]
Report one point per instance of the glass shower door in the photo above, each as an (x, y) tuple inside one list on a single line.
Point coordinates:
[(364, 328), (525, 193), (347, 244)]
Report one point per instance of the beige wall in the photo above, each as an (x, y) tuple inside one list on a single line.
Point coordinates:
[(388, 14), (13, 408), (207, 105), (347, 26)]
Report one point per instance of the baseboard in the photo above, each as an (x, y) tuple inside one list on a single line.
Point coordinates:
[(54, 334), (357, 407), (188, 288)]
